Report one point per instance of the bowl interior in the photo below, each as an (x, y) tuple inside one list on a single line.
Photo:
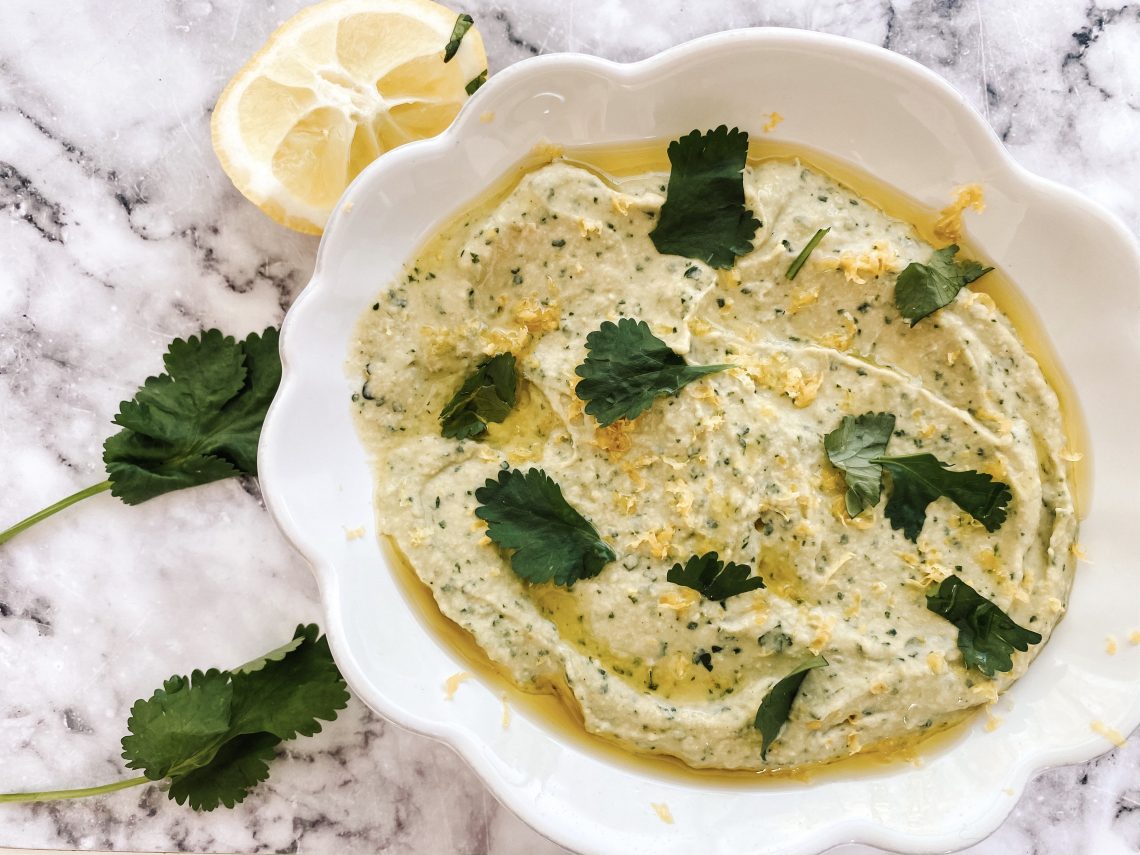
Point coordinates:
[(1076, 265)]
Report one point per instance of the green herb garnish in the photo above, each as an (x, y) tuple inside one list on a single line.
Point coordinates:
[(551, 540), (802, 258), (476, 82), (213, 734), (627, 367), (487, 395), (919, 479), (713, 578), (925, 288), (774, 709), (987, 636), (198, 422), (462, 24), (856, 447), (704, 215), (853, 448)]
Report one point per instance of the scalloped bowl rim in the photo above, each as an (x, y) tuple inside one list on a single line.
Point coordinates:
[(506, 762)]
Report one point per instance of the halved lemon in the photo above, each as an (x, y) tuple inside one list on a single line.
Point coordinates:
[(336, 86)]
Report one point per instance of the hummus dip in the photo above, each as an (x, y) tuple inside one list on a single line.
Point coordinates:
[(733, 463)]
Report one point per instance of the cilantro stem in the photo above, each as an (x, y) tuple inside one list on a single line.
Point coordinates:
[(56, 795), (8, 534)]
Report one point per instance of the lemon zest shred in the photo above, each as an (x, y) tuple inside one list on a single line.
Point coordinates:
[(1110, 733), (948, 226), (663, 812), (506, 717), (452, 683)]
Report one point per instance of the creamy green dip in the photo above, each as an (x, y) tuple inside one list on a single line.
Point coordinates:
[(734, 463)]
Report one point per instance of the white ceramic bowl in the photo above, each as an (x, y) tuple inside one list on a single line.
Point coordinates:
[(1077, 265)]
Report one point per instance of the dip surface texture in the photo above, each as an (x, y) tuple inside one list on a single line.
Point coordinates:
[(734, 463)]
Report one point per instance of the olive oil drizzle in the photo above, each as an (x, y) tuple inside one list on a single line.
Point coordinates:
[(554, 707)]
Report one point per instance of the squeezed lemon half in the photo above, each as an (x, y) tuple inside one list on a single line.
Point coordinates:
[(336, 86)]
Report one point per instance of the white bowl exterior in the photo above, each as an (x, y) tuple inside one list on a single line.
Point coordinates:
[(1078, 266)]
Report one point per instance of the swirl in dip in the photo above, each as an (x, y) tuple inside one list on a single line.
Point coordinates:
[(733, 463)]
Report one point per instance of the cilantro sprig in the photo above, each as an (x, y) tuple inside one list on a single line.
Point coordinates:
[(197, 422), (487, 395), (627, 367), (777, 704), (923, 289), (213, 734), (714, 579), (704, 216), (527, 513), (987, 636), (857, 449)]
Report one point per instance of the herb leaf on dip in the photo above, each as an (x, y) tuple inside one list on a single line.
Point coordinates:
[(627, 367), (987, 636), (853, 448), (856, 448), (487, 395), (551, 540), (704, 216), (773, 711), (922, 289), (919, 479), (713, 578)]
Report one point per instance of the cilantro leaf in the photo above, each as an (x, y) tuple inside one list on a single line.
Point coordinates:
[(213, 734), (856, 447), (713, 578), (551, 540), (487, 395), (773, 711), (181, 726), (627, 367), (919, 479), (462, 24), (475, 82), (808, 249), (290, 696), (239, 765), (922, 289), (704, 215), (274, 655), (853, 448), (987, 636), (198, 422)]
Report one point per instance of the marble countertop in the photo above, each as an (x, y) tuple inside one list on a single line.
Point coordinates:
[(118, 231)]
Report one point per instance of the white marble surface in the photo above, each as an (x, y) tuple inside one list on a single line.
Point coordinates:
[(118, 231)]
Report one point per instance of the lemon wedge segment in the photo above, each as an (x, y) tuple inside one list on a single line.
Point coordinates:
[(332, 89)]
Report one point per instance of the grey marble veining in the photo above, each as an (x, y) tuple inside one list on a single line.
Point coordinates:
[(118, 231)]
